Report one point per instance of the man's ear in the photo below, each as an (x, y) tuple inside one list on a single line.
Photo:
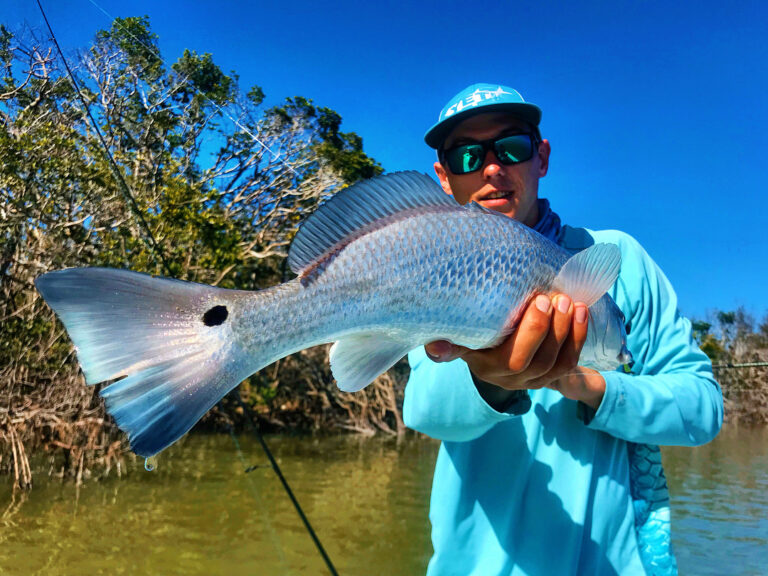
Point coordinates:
[(544, 151), (442, 175)]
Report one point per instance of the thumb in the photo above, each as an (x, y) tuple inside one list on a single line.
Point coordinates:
[(443, 351)]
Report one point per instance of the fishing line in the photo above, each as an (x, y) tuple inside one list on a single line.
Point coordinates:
[(276, 468), (265, 517), (149, 237), (150, 48), (740, 365), (155, 249)]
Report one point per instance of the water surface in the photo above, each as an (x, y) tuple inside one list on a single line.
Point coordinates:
[(719, 495), (200, 513)]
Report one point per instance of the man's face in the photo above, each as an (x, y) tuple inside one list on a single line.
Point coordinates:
[(512, 190)]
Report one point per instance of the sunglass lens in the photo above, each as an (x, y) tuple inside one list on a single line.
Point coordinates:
[(464, 159), (514, 149)]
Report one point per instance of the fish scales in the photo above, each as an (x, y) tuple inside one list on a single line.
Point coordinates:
[(475, 265), (385, 266)]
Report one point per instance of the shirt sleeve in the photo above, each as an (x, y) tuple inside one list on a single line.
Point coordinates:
[(442, 401), (671, 396)]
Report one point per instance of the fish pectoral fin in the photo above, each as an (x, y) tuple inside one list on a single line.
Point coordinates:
[(358, 360), (589, 274)]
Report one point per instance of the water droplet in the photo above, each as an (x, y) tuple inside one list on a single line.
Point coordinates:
[(150, 463)]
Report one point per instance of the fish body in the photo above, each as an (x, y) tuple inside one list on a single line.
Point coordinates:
[(461, 274), (650, 499), (384, 267)]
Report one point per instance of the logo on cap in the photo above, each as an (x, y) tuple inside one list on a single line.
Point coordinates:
[(476, 98)]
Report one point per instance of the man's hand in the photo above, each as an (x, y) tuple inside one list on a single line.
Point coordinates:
[(543, 351)]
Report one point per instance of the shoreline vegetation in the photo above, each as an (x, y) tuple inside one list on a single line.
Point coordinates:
[(207, 200)]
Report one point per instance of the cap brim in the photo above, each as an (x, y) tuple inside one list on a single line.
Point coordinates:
[(523, 110)]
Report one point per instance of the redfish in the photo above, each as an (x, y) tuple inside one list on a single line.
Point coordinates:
[(383, 267)]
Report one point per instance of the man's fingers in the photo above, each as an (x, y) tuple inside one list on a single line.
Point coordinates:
[(547, 355), (571, 349), (514, 354), (576, 339), (444, 351), (546, 345), (531, 332), (568, 356)]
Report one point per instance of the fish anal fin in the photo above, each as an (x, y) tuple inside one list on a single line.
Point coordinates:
[(589, 274), (358, 360)]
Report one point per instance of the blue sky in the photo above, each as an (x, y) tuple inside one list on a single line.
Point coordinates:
[(656, 111)]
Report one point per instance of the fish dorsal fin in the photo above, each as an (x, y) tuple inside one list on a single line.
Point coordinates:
[(358, 360), (589, 274), (359, 206)]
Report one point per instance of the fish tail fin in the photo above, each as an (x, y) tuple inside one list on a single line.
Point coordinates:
[(168, 340)]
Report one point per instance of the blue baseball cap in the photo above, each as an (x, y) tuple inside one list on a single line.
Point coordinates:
[(480, 99)]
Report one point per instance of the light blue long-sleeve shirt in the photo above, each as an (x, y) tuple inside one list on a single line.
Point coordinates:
[(548, 491)]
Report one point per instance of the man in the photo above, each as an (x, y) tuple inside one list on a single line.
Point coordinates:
[(543, 466)]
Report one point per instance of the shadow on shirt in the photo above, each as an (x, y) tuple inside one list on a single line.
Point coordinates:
[(533, 530)]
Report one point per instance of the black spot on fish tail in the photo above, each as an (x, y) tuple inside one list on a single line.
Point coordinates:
[(215, 316)]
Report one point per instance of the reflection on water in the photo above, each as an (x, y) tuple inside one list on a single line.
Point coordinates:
[(719, 496), (199, 513)]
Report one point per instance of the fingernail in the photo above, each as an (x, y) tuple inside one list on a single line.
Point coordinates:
[(563, 304), (543, 303), (439, 351), (581, 314)]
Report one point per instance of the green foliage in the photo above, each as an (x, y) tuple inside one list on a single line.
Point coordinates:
[(221, 213), (342, 150), (347, 157), (700, 329), (136, 43), (712, 348), (255, 95), (6, 54), (737, 352), (706, 341), (203, 80)]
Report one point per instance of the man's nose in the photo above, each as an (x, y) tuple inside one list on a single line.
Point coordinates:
[(492, 167)]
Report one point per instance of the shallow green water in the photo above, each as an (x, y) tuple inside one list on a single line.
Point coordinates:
[(199, 513)]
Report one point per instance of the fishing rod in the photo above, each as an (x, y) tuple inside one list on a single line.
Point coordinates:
[(157, 251), (121, 183), (739, 365), (156, 54)]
